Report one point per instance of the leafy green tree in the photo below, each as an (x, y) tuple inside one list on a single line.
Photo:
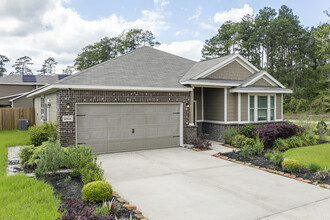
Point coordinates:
[(48, 67), (21, 66), (322, 40), (109, 48), (69, 70), (3, 60), (223, 43)]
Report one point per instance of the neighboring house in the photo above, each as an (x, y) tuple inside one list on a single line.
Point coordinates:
[(152, 99), (15, 88)]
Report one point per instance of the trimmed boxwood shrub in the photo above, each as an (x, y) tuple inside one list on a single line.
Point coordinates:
[(291, 166), (25, 154), (97, 191), (269, 133)]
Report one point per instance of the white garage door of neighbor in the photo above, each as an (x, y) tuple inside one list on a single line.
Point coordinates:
[(110, 128)]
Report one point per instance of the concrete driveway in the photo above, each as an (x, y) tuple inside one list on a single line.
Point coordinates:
[(178, 183)]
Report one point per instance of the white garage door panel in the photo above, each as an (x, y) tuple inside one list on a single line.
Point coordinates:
[(107, 128)]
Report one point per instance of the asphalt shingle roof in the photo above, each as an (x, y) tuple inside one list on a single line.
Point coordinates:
[(142, 67)]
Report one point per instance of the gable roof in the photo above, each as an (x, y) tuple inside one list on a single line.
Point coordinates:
[(204, 68), (255, 77)]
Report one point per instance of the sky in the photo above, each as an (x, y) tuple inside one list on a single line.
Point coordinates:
[(61, 28)]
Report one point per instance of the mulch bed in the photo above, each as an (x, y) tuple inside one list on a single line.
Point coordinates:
[(68, 186), (263, 162)]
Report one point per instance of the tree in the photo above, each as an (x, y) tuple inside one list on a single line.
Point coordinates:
[(69, 70), (21, 66), (109, 48), (322, 40), (3, 60), (223, 43), (48, 67)]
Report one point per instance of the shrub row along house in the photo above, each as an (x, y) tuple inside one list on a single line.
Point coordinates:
[(152, 99)]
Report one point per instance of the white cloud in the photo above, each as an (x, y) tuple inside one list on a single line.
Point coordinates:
[(207, 26), (189, 49), (197, 15), (234, 14), (161, 3), (59, 32)]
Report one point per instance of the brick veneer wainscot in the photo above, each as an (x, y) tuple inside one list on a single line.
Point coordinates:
[(67, 130)]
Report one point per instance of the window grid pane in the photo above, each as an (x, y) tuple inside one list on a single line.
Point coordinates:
[(251, 114), (252, 102), (262, 102)]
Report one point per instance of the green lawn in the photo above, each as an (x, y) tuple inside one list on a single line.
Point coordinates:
[(22, 197), (318, 154)]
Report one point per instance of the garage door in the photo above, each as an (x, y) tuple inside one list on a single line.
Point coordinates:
[(109, 128)]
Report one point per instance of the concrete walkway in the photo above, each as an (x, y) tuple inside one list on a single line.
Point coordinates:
[(179, 183)]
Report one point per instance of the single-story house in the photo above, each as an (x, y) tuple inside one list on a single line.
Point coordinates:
[(15, 88), (148, 99)]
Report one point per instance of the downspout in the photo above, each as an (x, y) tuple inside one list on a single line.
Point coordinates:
[(191, 108)]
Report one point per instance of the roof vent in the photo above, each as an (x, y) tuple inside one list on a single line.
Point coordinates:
[(62, 76), (29, 78)]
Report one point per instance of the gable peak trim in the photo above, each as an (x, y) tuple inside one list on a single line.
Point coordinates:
[(264, 73)]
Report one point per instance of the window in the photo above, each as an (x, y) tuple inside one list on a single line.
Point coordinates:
[(251, 108), (272, 108), (263, 107)]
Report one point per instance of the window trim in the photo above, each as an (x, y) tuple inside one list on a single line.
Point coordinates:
[(255, 107)]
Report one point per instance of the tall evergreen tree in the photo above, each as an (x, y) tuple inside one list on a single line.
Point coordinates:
[(48, 67), (3, 61), (21, 66)]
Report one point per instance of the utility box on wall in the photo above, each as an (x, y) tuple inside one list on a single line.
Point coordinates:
[(23, 124)]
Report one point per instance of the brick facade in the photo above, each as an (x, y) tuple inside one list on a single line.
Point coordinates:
[(67, 130), (216, 131)]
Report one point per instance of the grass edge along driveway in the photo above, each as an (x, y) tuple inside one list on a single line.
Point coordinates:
[(22, 197), (317, 154)]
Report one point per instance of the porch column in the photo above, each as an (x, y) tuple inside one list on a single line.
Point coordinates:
[(191, 108), (239, 107)]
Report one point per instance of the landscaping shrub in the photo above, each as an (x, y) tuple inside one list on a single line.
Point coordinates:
[(246, 151), (76, 209), (247, 131), (202, 141), (280, 145), (35, 158), (42, 133), (25, 154), (112, 206), (229, 134), (291, 166), (51, 159), (322, 174), (96, 191), (77, 156), (294, 141), (238, 140), (92, 171), (268, 155), (277, 158), (258, 146), (248, 141), (322, 130), (313, 167), (269, 133)]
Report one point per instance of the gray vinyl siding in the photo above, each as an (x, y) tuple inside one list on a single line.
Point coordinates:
[(278, 106), (214, 104), (244, 107), (233, 71), (232, 114), (198, 98), (7, 90), (262, 82), (23, 102)]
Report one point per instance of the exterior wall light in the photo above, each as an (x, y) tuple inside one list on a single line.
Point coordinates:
[(68, 105), (187, 105)]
